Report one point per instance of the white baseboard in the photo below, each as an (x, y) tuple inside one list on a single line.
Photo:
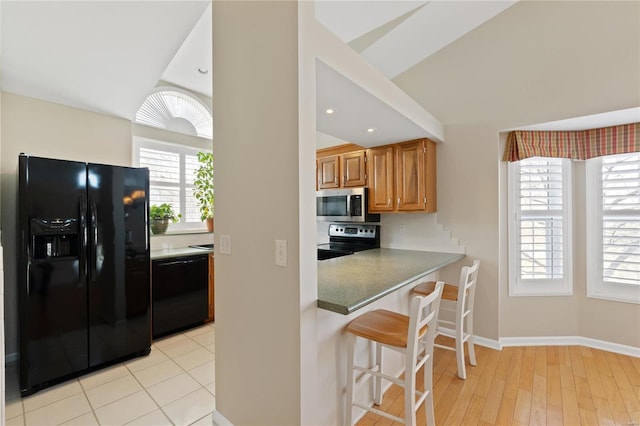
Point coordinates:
[(555, 341), (477, 340), (219, 420), (487, 343), (572, 341)]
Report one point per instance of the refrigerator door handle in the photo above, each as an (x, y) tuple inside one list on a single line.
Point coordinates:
[(83, 238), (93, 214)]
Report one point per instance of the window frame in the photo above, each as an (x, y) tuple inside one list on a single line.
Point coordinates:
[(182, 150), (597, 287), (519, 286)]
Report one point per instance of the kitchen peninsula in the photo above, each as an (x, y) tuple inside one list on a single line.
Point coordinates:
[(348, 283), (348, 286)]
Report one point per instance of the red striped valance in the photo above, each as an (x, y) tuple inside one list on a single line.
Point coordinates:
[(577, 145)]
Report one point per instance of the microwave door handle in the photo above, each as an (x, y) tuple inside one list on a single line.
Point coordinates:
[(349, 201)]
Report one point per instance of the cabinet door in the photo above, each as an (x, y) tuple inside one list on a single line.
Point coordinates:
[(430, 173), (380, 177), (329, 172), (354, 171), (211, 290), (410, 176), (180, 293)]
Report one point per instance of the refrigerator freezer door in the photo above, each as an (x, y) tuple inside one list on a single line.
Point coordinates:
[(119, 268), (52, 291)]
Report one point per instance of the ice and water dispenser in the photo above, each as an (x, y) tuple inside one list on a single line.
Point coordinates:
[(54, 238)]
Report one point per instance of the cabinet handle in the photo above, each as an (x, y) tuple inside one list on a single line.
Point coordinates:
[(398, 201), (389, 202), (425, 201)]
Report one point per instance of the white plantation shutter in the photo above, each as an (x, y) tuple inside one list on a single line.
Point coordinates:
[(192, 212), (613, 218), (171, 175), (164, 176), (539, 233), (541, 219)]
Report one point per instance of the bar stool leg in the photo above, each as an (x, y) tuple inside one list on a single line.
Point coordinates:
[(462, 372), (377, 396), (470, 343), (351, 381), (428, 386), (410, 394)]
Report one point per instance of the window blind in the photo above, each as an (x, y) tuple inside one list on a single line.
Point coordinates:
[(621, 219), (172, 170), (192, 211), (541, 218), (164, 176)]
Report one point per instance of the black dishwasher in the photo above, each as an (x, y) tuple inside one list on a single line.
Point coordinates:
[(179, 293)]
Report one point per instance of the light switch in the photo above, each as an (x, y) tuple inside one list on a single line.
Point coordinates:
[(225, 244), (281, 252)]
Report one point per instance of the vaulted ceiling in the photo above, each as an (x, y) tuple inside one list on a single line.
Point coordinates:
[(108, 56), (450, 56)]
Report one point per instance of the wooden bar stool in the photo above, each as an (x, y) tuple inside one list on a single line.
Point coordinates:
[(459, 299), (411, 335)]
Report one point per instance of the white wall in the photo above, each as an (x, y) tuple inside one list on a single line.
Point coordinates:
[(417, 231), (468, 206), (2, 310), (255, 81), (534, 63)]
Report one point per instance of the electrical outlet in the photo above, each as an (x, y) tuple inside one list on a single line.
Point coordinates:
[(225, 244), (403, 229), (281, 252)]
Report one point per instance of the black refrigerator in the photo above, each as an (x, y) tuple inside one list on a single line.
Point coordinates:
[(83, 268)]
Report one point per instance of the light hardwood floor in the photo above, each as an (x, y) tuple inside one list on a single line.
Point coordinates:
[(545, 385)]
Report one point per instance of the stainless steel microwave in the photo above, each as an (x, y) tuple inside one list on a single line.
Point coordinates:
[(344, 205)]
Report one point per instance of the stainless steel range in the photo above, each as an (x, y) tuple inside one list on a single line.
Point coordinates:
[(345, 239)]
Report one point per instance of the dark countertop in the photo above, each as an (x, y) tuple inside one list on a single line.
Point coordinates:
[(346, 284)]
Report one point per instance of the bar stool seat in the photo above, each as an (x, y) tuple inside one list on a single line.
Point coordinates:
[(412, 335), (382, 326)]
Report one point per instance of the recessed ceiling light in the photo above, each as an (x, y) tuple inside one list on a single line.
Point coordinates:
[(371, 129), (203, 71), (329, 111)]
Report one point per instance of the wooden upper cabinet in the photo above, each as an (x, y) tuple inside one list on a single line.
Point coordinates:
[(431, 173), (343, 166), (381, 181), (354, 169), (402, 177), (410, 177), (328, 172)]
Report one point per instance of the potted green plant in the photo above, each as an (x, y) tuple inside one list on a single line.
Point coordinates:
[(203, 188), (159, 217)]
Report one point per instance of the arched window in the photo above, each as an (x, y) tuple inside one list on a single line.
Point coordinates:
[(175, 110), (172, 164)]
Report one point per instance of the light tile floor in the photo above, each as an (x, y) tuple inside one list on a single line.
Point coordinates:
[(173, 385)]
